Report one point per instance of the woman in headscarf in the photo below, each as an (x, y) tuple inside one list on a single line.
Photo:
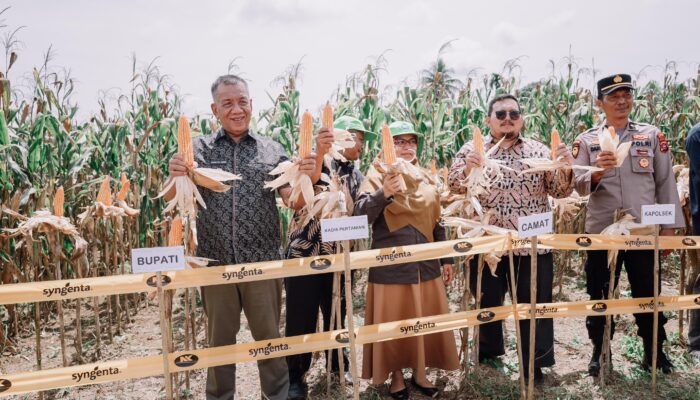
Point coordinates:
[(410, 290)]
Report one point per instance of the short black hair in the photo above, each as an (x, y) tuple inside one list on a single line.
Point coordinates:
[(501, 98)]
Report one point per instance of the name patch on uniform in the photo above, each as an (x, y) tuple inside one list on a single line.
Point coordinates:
[(642, 152), (595, 148), (640, 137), (217, 163)]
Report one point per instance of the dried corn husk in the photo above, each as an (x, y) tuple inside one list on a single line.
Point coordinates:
[(480, 179), (553, 164), (626, 225), (568, 207), (186, 193), (682, 183), (43, 221), (333, 202), (609, 141)]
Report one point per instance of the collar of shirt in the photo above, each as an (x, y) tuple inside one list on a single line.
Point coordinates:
[(631, 127), (491, 141), (250, 135)]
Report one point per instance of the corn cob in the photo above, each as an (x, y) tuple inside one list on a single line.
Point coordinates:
[(478, 142), (445, 174), (433, 168), (58, 201), (175, 237), (327, 116), (305, 132), (104, 196), (611, 129), (184, 141), (555, 141), (388, 146), (124, 190)]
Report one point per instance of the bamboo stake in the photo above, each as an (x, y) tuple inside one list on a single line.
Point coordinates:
[(466, 299), (655, 331), (477, 299), (533, 318), (605, 356), (351, 322), (61, 320), (516, 316), (164, 338), (334, 309), (98, 328)]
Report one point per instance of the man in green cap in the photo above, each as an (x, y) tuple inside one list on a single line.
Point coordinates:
[(307, 294)]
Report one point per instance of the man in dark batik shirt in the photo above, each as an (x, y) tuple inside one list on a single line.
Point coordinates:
[(307, 294), (240, 225)]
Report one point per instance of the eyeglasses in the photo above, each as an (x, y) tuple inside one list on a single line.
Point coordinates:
[(402, 143), (514, 115)]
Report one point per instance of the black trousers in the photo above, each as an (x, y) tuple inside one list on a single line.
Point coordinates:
[(493, 289), (305, 296), (694, 325), (639, 265)]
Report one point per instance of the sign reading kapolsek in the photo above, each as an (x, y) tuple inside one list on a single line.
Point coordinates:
[(535, 224), (154, 259), (346, 228), (658, 214)]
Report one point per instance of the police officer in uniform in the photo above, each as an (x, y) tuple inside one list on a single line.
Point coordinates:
[(644, 178)]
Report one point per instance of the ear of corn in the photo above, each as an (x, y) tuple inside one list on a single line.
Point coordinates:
[(104, 196), (478, 141), (611, 129), (184, 141), (124, 190), (175, 237), (445, 174), (555, 141), (327, 116), (305, 135), (388, 145), (433, 167), (58, 202)]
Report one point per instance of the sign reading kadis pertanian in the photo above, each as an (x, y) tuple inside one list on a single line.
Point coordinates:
[(154, 259), (658, 214), (345, 228), (535, 224)]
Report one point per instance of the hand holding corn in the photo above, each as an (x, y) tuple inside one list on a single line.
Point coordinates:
[(392, 185)]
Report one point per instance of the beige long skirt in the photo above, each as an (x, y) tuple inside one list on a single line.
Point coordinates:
[(393, 302)]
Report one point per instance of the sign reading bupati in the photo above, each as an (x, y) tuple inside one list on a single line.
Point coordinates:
[(346, 228), (658, 214), (535, 224), (154, 259)]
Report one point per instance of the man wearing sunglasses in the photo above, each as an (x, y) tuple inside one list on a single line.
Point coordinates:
[(514, 196), (645, 177)]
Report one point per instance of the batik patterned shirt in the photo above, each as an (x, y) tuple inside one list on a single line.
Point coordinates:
[(517, 194)]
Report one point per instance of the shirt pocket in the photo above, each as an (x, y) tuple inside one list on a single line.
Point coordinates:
[(642, 164)]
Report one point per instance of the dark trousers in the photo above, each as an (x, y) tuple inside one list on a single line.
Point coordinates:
[(305, 296), (639, 265), (493, 289), (694, 325)]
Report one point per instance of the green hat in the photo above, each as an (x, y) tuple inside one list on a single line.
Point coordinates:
[(406, 128), (348, 123)]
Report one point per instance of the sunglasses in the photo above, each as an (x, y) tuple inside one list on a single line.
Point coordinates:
[(514, 115)]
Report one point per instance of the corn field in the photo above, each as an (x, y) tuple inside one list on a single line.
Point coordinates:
[(44, 146)]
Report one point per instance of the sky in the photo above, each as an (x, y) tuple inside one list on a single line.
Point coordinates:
[(194, 42)]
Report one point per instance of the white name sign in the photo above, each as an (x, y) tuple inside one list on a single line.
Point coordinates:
[(346, 228), (536, 224), (154, 259), (658, 214)]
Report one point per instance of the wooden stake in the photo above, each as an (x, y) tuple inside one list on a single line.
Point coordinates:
[(164, 331), (516, 316), (351, 320), (533, 318), (477, 299), (334, 324), (655, 329), (466, 299)]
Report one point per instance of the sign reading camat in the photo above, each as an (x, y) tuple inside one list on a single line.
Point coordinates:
[(154, 259), (658, 214), (535, 224), (346, 228)]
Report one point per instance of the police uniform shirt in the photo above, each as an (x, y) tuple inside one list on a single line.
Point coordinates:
[(644, 178)]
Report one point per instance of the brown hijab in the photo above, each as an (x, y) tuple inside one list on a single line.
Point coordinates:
[(419, 206)]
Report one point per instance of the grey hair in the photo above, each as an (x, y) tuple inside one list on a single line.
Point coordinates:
[(227, 80)]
